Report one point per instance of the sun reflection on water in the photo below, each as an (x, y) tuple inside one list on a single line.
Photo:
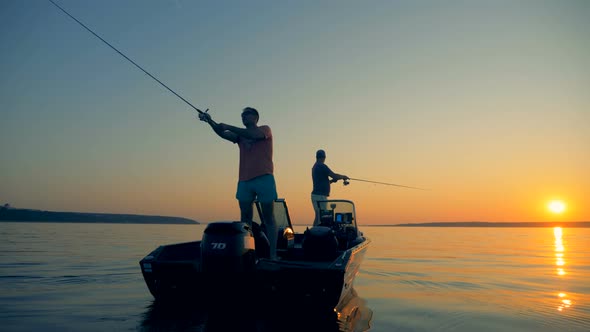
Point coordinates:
[(564, 302)]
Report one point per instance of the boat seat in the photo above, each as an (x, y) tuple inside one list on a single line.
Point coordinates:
[(320, 244)]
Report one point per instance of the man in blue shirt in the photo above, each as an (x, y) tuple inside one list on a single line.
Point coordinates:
[(321, 174)]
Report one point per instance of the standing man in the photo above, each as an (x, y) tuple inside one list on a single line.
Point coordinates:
[(321, 174), (256, 180)]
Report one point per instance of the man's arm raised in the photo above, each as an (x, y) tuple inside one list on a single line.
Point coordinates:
[(219, 128), (248, 133)]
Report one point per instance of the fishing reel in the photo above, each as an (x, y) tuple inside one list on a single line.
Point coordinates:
[(344, 182)]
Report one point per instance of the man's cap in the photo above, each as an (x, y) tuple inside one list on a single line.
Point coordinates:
[(320, 154)]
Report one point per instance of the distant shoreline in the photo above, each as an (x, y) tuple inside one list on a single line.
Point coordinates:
[(27, 215)]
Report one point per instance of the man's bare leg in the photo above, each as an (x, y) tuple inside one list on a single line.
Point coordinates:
[(246, 212), (271, 228)]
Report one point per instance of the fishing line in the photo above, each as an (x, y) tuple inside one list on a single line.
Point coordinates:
[(126, 57), (387, 184)]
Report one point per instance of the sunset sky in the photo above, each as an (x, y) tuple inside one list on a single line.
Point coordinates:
[(485, 103)]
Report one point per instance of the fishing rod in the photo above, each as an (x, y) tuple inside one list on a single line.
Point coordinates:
[(346, 182), (126, 57)]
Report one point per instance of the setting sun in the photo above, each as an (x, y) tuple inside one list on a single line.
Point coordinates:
[(556, 207)]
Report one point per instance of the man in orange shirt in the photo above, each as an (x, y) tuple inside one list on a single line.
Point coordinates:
[(256, 180)]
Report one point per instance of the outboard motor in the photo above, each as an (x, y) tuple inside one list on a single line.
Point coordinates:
[(319, 244), (227, 247)]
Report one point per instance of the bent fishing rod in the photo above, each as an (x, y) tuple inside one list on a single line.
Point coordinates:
[(126, 57), (346, 182)]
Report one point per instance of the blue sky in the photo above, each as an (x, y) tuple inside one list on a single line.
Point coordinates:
[(484, 102)]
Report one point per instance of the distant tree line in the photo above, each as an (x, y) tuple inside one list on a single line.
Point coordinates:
[(11, 214)]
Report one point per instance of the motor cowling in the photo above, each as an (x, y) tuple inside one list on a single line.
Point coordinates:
[(227, 247)]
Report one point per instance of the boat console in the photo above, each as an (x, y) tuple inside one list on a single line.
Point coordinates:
[(336, 232), (340, 217)]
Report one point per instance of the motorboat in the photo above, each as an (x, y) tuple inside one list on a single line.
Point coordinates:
[(231, 262)]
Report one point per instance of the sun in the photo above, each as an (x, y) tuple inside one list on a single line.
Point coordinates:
[(556, 206)]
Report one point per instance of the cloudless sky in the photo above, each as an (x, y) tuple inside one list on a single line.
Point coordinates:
[(485, 103)]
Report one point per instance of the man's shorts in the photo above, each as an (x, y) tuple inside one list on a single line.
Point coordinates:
[(262, 188), (317, 206)]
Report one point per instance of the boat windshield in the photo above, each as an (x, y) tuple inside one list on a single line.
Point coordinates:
[(280, 213), (337, 213)]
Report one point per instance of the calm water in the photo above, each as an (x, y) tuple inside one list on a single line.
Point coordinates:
[(86, 277)]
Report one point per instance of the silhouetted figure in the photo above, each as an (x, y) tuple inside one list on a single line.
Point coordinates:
[(321, 174), (256, 180)]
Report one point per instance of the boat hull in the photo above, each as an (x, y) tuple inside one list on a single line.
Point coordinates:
[(174, 273)]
